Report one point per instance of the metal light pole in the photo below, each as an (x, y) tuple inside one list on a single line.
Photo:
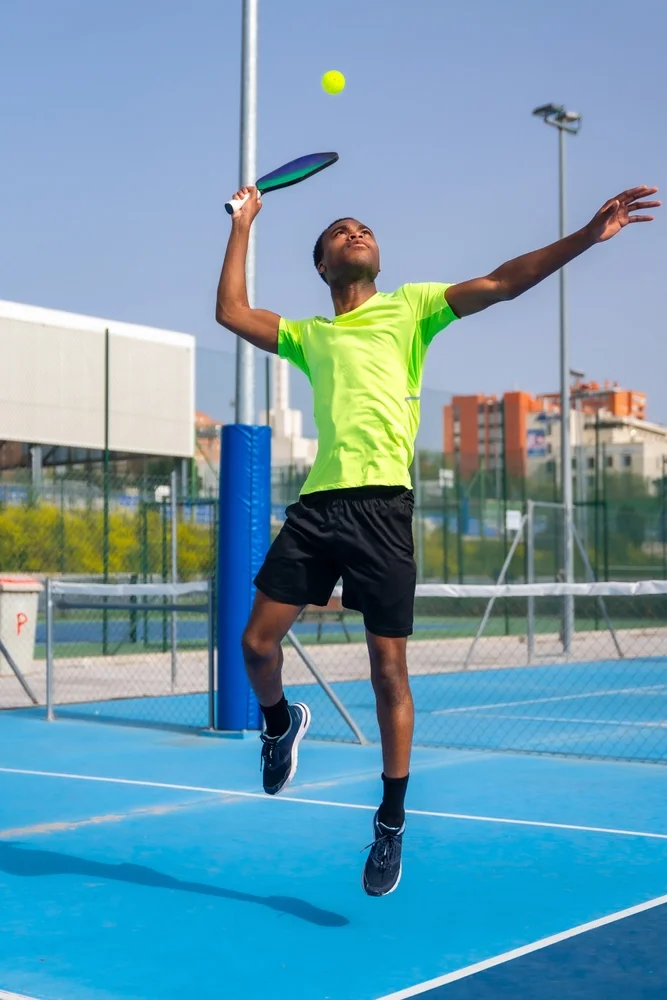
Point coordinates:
[(564, 121), (579, 461), (245, 353)]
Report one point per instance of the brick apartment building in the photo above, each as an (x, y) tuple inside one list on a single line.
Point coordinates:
[(601, 417)]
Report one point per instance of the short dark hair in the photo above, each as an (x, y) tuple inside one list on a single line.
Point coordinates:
[(319, 243)]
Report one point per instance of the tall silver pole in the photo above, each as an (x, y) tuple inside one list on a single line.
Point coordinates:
[(245, 353), (566, 446), (419, 520)]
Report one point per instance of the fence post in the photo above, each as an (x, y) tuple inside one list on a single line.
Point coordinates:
[(210, 635), (605, 515), (596, 523), (445, 528), (143, 529), (504, 485), (530, 576), (459, 516), (133, 614), (663, 516), (63, 535), (49, 651), (174, 571), (165, 567), (105, 518), (419, 520)]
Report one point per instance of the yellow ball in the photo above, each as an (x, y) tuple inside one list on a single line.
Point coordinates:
[(333, 81)]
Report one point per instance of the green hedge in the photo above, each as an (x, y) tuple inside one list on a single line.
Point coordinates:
[(43, 539)]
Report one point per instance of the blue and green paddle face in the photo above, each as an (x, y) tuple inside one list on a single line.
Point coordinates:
[(290, 173)]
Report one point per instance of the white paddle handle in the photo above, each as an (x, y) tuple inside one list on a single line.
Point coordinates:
[(231, 207)]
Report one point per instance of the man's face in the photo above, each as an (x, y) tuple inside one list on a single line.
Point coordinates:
[(349, 253)]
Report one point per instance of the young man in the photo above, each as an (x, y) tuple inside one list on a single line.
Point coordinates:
[(354, 516)]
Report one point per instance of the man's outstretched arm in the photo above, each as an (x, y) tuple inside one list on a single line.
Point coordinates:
[(518, 275), (232, 309)]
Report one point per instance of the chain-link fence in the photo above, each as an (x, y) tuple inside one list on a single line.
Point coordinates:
[(130, 653), (466, 516), (122, 529), (464, 524), (491, 669)]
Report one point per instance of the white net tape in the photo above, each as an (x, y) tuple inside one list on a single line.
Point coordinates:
[(609, 588), (62, 588)]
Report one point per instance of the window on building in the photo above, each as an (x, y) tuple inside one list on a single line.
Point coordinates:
[(550, 467), (609, 461), (627, 461), (591, 463)]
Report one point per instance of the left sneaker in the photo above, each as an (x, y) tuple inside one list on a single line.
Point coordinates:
[(382, 871), (280, 754)]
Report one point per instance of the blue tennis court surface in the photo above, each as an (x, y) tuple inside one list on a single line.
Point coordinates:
[(143, 864)]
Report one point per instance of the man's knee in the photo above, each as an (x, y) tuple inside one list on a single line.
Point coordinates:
[(259, 650), (390, 678)]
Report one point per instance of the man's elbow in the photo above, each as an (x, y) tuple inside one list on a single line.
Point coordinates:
[(225, 316), (503, 290)]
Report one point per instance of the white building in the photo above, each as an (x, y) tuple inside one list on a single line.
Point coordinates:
[(52, 386), (288, 445), (622, 444)]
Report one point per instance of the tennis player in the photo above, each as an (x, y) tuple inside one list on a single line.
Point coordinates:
[(353, 519)]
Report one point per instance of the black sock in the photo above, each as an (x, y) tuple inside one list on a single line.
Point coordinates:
[(392, 811), (277, 718)]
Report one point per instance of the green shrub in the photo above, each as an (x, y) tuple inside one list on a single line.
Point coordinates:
[(43, 539)]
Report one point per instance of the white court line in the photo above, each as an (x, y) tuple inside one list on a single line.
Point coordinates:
[(544, 701), (527, 949), (14, 996), (335, 805), (592, 722)]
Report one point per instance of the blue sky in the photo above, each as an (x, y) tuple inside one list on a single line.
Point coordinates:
[(120, 146)]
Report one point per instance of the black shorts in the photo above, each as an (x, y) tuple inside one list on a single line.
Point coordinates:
[(362, 535)]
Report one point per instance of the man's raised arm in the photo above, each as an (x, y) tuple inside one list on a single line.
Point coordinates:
[(516, 276), (232, 310)]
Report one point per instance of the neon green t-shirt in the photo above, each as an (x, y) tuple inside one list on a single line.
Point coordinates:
[(365, 368)]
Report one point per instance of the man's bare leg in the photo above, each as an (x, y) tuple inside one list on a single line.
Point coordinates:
[(267, 626), (286, 724), (395, 713), (395, 709)]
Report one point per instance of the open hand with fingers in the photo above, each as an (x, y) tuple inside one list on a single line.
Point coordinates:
[(620, 211)]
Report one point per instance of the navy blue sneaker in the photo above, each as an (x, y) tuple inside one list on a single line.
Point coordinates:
[(382, 871), (280, 754)]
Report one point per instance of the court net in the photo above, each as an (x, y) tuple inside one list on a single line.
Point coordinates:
[(495, 668), (134, 653)]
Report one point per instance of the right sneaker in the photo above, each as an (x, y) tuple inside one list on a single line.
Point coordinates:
[(280, 754), (382, 871)]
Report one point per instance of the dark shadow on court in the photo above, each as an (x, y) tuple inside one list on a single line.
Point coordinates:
[(16, 859)]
